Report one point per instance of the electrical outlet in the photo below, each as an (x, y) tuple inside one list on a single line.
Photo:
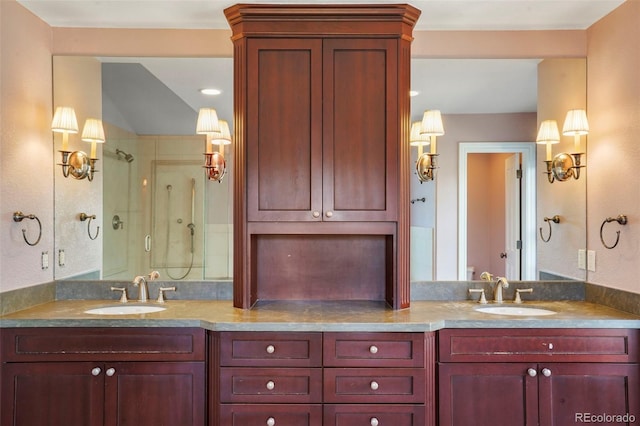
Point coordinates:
[(61, 258), (45, 260), (591, 260), (582, 259)]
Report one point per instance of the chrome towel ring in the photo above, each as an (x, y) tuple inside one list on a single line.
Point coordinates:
[(19, 217), (83, 217), (554, 219), (622, 220)]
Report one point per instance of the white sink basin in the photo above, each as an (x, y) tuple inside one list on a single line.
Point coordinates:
[(515, 311), (125, 310)]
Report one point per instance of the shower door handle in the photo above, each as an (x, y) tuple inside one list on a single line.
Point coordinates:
[(147, 243)]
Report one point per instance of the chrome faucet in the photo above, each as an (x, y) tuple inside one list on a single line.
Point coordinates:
[(143, 295), (501, 283)]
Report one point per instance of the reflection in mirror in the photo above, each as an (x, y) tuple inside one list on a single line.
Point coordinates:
[(159, 212), (151, 186)]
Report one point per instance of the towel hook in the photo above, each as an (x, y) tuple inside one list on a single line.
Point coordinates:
[(554, 219), (622, 220), (83, 217), (18, 217)]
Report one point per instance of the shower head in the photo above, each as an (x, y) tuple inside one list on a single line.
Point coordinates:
[(123, 155)]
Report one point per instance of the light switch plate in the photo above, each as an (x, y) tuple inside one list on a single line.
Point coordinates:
[(582, 259), (61, 258), (45, 260), (591, 260)]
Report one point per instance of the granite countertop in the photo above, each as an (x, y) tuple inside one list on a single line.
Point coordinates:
[(321, 316)]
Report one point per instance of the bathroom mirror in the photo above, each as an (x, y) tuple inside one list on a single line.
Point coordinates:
[(151, 184)]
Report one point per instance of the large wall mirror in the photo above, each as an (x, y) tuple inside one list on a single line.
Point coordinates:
[(156, 209)]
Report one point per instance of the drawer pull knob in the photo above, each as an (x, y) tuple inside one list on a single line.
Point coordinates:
[(329, 214), (373, 349), (271, 421), (111, 371), (546, 372), (550, 346), (271, 349), (374, 421), (95, 371), (374, 385), (271, 385), (532, 372), (316, 214)]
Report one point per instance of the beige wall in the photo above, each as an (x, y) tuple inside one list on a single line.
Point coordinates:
[(77, 83), (26, 160), (26, 105), (561, 87), (613, 182)]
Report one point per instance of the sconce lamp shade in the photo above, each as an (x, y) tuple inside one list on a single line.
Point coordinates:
[(548, 132), (208, 122), (93, 131), (417, 138), (432, 123), (575, 123), (223, 137), (64, 120)]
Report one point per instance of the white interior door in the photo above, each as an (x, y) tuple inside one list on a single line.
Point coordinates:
[(512, 216)]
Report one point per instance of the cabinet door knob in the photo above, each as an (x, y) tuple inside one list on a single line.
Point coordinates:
[(271, 421), (96, 371), (374, 385), (373, 349), (110, 372), (546, 372), (374, 421), (329, 214), (532, 372), (270, 349), (316, 214), (271, 385)]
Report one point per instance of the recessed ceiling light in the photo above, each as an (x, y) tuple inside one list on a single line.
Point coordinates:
[(211, 92), (413, 93)]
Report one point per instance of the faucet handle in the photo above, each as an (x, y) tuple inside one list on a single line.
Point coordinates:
[(486, 276), (483, 299), (123, 298), (517, 299), (161, 293), (154, 275)]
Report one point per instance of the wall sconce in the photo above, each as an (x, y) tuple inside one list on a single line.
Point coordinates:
[(548, 134), (76, 163), (93, 132), (430, 127), (65, 122), (563, 166), (209, 125)]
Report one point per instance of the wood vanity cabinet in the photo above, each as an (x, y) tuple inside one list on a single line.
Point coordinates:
[(321, 157), (537, 377), (322, 379), (97, 376)]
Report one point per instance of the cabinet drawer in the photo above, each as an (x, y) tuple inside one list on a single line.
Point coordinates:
[(370, 414), (271, 385), (281, 414), (374, 349), (104, 344), (570, 345), (271, 349), (363, 385)]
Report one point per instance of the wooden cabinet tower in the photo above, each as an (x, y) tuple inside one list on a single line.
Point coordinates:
[(321, 123)]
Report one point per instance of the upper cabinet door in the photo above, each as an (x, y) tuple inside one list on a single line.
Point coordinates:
[(284, 129), (360, 129)]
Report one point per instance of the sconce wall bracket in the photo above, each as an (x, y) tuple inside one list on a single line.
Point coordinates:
[(215, 166), (564, 166), (425, 167)]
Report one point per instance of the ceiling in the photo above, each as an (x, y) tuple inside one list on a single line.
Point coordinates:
[(453, 86)]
